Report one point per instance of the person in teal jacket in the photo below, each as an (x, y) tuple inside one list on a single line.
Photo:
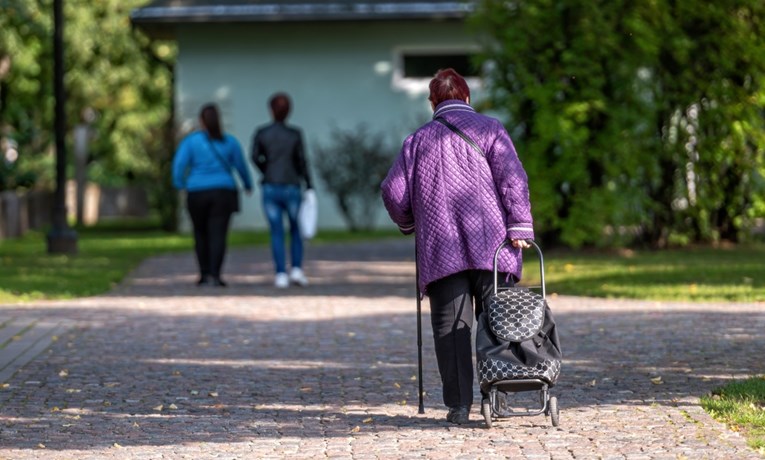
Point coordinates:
[(204, 166)]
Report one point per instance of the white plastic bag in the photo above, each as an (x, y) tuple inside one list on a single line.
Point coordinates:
[(308, 215)]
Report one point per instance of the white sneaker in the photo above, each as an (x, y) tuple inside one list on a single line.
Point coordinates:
[(297, 277), (282, 281)]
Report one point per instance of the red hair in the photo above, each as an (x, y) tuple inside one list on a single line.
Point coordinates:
[(446, 85), (280, 106)]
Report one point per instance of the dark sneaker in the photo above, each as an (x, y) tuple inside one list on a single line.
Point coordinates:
[(458, 415)]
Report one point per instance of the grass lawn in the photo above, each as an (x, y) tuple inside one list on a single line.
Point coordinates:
[(692, 274), (741, 406)]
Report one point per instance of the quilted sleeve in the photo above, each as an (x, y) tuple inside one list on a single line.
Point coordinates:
[(512, 185), (396, 191)]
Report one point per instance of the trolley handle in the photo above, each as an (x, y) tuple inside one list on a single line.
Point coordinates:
[(541, 263)]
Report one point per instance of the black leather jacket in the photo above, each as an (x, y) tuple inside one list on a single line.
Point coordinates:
[(277, 151)]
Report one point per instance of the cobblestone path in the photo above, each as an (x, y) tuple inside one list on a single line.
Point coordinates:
[(159, 369)]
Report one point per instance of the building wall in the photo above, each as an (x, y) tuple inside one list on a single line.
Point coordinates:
[(338, 75)]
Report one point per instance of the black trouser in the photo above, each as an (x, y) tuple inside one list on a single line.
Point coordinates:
[(210, 212), (454, 301)]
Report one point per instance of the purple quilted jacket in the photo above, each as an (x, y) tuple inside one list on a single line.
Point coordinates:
[(460, 204)]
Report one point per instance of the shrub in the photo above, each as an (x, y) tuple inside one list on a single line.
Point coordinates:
[(352, 166)]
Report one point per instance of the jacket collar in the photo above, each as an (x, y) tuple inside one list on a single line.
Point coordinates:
[(451, 105)]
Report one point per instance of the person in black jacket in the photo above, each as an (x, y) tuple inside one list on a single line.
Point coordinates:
[(277, 151)]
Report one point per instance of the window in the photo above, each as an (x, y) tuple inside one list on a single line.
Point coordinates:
[(425, 65), (414, 67)]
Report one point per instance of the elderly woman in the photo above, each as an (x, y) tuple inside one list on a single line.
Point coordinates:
[(459, 186)]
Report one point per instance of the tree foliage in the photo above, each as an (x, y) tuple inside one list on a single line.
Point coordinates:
[(110, 69), (637, 121)]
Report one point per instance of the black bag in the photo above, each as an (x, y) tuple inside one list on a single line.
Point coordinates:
[(233, 199), (516, 337)]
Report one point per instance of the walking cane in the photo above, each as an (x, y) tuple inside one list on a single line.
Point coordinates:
[(421, 409)]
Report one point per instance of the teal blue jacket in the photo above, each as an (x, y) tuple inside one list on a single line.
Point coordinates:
[(196, 166)]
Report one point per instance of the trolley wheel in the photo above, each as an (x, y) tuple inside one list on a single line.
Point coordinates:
[(554, 411), (486, 411)]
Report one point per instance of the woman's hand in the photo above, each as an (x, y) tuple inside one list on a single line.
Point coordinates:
[(521, 244)]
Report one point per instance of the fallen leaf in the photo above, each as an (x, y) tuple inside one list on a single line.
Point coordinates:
[(402, 403), (172, 407), (593, 383), (356, 429), (414, 377), (367, 420), (396, 384), (158, 408), (5, 385), (194, 392), (55, 409), (41, 446), (657, 380), (136, 425), (63, 373), (73, 390), (117, 445), (213, 394), (306, 389), (351, 334)]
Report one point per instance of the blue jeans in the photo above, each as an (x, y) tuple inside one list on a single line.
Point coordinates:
[(278, 199)]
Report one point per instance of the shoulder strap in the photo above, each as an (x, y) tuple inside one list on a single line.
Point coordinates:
[(461, 134), (470, 141), (226, 164), (217, 153)]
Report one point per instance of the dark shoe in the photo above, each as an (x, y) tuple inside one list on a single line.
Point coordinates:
[(218, 282), (458, 415), (203, 280)]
